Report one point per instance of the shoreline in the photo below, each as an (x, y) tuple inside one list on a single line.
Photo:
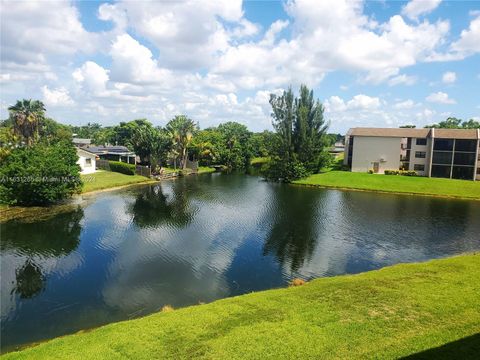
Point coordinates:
[(8, 212), (425, 270), (343, 188)]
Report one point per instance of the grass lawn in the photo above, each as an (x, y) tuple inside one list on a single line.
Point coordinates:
[(259, 160), (385, 314), (398, 184), (201, 170), (109, 179)]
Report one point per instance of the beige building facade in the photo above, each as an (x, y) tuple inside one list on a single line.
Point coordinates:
[(446, 153)]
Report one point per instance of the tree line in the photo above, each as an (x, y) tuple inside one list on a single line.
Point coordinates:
[(33, 144)]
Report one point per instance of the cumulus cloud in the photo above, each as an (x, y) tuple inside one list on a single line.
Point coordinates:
[(407, 104), (402, 79), (469, 41), (92, 76), (56, 97), (440, 98), (415, 8), (449, 77)]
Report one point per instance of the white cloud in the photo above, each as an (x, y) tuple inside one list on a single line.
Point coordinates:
[(407, 104), (415, 8), (31, 31), (449, 77), (92, 76), (56, 97), (469, 41), (402, 79), (363, 102), (440, 98), (133, 63)]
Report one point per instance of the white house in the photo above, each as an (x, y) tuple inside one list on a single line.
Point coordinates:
[(86, 160)]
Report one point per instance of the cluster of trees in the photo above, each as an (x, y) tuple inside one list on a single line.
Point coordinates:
[(301, 136), (451, 123), (38, 159)]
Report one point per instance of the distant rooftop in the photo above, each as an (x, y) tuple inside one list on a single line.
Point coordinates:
[(80, 141), (110, 149), (416, 133)]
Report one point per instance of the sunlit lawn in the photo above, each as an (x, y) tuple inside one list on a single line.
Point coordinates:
[(107, 179), (385, 314), (395, 183)]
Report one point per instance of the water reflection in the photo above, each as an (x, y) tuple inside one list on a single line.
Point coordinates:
[(127, 253), (153, 207), (31, 251), (293, 233)]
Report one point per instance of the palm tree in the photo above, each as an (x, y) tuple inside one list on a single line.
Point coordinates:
[(181, 130), (26, 115)]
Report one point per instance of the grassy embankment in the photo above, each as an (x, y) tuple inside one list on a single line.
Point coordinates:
[(107, 179), (396, 184), (386, 314)]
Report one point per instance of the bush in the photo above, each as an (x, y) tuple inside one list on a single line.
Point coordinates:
[(278, 170), (39, 174), (121, 167), (401, 172), (370, 171)]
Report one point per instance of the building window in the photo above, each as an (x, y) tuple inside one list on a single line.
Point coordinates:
[(88, 162), (420, 154), (463, 172), (464, 158), (441, 171), (443, 144), (442, 157), (466, 145), (421, 141), (419, 167)]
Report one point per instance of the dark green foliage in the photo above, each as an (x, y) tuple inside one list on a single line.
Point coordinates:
[(39, 174), (285, 171), (26, 116), (300, 139), (121, 167), (454, 123), (235, 151), (400, 172)]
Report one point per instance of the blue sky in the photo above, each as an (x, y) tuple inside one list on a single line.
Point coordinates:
[(371, 63)]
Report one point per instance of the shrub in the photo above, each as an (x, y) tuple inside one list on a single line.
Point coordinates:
[(39, 174), (121, 167), (401, 172), (278, 170), (370, 171)]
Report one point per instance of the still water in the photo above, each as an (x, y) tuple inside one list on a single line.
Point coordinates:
[(127, 253)]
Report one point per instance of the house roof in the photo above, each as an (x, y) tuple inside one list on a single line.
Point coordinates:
[(81, 141), (86, 151), (389, 132), (113, 149), (416, 133)]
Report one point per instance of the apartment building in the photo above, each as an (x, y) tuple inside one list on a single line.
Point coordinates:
[(444, 153)]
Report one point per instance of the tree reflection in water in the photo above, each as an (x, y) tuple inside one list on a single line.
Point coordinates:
[(38, 241), (292, 242), (153, 207)]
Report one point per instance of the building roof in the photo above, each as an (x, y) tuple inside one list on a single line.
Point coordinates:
[(113, 149), (416, 133), (86, 151), (389, 132), (456, 133), (81, 141)]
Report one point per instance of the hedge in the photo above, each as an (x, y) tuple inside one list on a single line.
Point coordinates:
[(401, 172), (121, 167)]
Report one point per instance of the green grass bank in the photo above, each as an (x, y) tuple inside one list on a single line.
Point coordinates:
[(101, 180), (395, 184), (386, 314)]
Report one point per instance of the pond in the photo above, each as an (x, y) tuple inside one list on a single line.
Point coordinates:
[(127, 253)]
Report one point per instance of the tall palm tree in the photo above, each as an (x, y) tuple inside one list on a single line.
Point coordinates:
[(181, 130), (26, 115)]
